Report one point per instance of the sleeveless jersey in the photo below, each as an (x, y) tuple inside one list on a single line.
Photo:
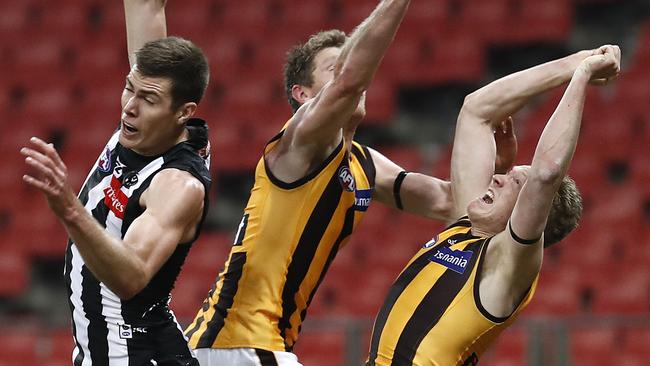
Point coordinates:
[(287, 239), (432, 314), (103, 324)]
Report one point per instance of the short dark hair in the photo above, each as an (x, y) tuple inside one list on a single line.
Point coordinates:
[(299, 67), (565, 212), (179, 60)]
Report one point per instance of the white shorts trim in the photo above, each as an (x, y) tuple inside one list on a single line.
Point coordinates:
[(241, 357)]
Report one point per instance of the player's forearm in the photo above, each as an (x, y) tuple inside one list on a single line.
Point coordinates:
[(504, 97), (367, 45), (558, 141), (107, 257), (145, 21)]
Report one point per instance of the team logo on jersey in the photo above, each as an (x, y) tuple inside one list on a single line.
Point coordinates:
[(362, 198), (456, 260), (104, 164), (346, 179), (130, 179), (430, 243)]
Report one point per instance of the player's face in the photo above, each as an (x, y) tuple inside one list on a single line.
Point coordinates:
[(494, 208), (148, 124), (324, 64)]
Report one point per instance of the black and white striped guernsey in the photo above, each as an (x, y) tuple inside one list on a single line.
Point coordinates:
[(107, 330)]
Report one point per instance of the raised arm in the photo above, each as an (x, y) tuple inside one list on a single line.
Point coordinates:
[(556, 146), (145, 21), (474, 152), (173, 203), (322, 118), (514, 256)]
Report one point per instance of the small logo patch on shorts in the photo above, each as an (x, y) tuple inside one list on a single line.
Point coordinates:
[(126, 332)]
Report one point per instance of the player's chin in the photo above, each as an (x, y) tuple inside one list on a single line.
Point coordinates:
[(128, 141)]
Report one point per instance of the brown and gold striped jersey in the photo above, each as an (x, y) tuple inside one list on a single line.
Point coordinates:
[(432, 314), (286, 241)]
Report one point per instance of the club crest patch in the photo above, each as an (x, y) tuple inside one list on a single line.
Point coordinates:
[(456, 260), (104, 164)]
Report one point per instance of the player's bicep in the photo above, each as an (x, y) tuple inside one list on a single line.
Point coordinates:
[(472, 160), (174, 203), (531, 210)]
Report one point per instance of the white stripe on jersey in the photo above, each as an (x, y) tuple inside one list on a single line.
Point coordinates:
[(79, 320), (118, 351)]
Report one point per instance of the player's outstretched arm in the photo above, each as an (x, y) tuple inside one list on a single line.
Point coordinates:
[(322, 118), (428, 196), (474, 152), (145, 21), (516, 261), (173, 203), (417, 193), (556, 146)]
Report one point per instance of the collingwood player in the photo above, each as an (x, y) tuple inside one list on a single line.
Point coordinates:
[(141, 206)]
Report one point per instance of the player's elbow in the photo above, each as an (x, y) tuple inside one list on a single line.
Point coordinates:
[(549, 173), (351, 81), (471, 104), (130, 286)]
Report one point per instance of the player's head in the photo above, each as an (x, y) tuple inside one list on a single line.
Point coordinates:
[(310, 66), (492, 211), (565, 212), (162, 92)]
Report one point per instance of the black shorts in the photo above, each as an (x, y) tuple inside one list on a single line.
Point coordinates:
[(161, 344)]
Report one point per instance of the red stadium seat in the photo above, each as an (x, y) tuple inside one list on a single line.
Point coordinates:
[(629, 296), (557, 292), (594, 346), (14, 270), (637, 341), (548, 21), (18, 347), (509, 349), (321, 348)]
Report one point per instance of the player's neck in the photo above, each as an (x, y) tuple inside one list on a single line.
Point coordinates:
[(163, 147), (482, 232)]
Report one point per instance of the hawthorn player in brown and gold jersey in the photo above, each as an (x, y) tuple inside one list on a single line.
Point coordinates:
[(312, 186), (472, 280)]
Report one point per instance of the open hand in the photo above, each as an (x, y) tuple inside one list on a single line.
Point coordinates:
[(50, 177)]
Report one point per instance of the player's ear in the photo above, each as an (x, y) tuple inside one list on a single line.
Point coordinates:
[(185, 112)]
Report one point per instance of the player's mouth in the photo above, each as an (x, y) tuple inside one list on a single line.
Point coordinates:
[(488, 198), (129, 129)]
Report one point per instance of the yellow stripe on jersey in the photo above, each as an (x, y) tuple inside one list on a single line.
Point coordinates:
[(286, 241), (432, 314)]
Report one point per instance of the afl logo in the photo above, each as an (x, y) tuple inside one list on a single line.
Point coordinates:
[(104, 164), (346, 179)]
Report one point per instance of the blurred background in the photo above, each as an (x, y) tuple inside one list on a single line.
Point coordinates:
[(63, 65)]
